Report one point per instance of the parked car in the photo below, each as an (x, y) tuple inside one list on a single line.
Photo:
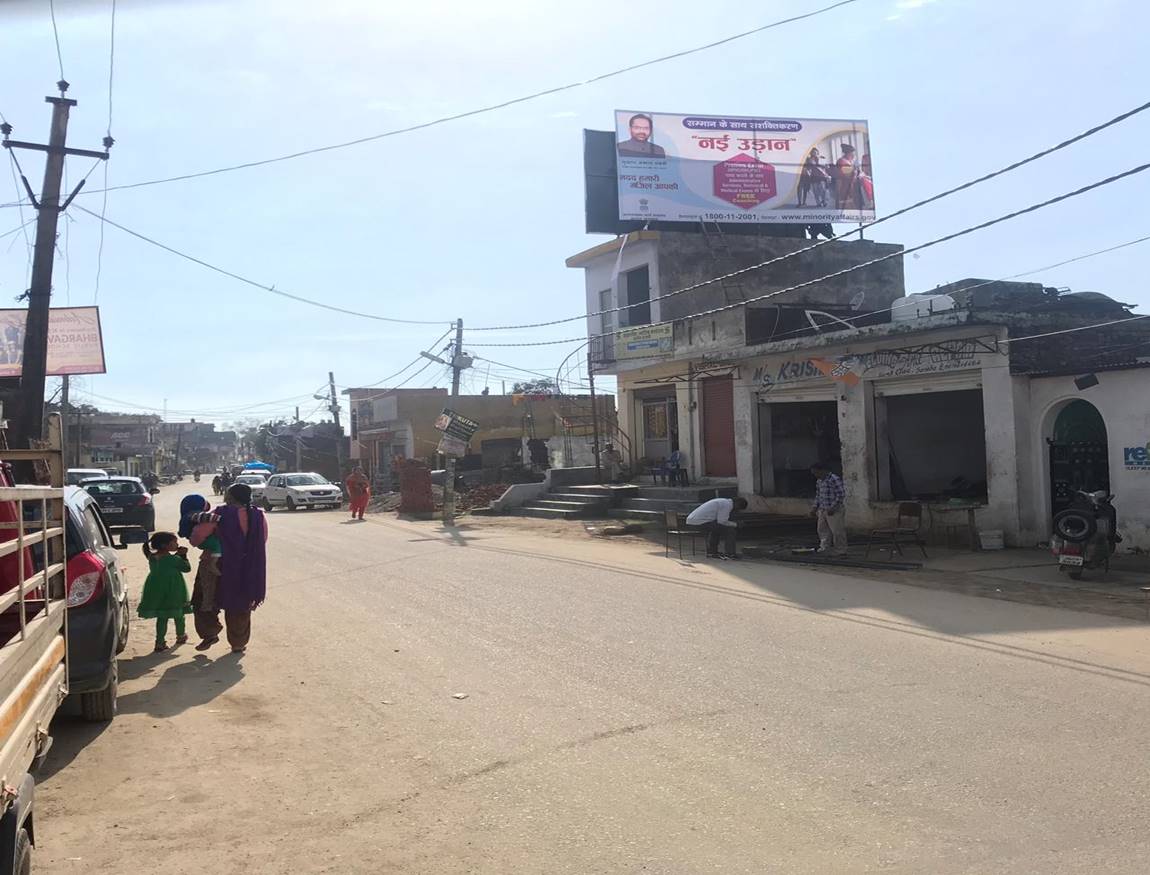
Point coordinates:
[(76, 476), (124, 502), (98, 613), (294, 491), (257, 482)]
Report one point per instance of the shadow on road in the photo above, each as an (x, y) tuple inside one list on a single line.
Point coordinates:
[(185, 685), (70, 735)]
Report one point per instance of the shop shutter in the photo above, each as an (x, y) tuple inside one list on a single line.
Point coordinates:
[(950, 382), (719, 427)]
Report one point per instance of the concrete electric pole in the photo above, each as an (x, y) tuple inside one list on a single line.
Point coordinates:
[(334, 408), (449, 482), (29, 422)]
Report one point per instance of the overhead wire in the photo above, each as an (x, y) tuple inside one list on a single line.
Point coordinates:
[(899, 254), (56, 35), (243, 279), (978, 285), (1121, 117), (494, 106), (107, 144)]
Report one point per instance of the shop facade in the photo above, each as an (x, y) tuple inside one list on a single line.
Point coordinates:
[(933, 415)]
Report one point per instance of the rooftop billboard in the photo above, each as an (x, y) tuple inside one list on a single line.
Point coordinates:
[(708, 168)]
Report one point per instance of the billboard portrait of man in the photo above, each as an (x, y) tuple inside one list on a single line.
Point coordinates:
[(640, 145)]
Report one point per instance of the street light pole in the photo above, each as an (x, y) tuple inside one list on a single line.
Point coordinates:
[(449, 484)]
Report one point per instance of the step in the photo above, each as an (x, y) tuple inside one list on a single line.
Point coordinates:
[(548, 513), (575, 506), (660, 504), (600, 490), (580, 497), (626, 513), (696, 494)]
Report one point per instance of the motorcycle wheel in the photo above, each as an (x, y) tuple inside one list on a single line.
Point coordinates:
[(1075, 526), (1075, 574)]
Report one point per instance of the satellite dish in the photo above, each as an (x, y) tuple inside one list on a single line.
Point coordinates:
[(857, 301)]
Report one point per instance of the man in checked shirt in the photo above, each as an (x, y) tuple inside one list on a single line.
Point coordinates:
[(830, 494)]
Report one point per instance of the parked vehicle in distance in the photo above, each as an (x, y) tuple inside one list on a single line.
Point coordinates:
[(76, 476), (124, 502), (1085, 534), (98, 613), (257, 482), (294, 491)]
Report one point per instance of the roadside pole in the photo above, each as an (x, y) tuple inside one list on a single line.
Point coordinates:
[(29, 422), (449, 483), (64, 436), (335, 418), (594, 419)]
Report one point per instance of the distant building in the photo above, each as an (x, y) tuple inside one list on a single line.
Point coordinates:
[(126, 442), (515, 431)]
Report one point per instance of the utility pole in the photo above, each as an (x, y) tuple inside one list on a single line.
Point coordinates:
[(594, 419), (449, 483), (30, 418), (64, 420), (179, 444), (335, 418)]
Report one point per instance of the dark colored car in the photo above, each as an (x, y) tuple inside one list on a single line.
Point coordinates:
[(98, 612), (124, 502)]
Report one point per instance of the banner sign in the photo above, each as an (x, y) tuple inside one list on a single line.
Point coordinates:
[(75, 342), (456, 425), (641, 343), (450, 446), (695, 168)]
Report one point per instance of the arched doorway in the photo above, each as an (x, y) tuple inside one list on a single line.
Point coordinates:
[(1079, 453)]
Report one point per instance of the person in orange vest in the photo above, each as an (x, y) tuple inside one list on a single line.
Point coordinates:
[(358, 492)]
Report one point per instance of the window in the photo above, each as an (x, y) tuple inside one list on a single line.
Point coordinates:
[(794, 436), (94, 531), (655, 421), (604, 348), (306, 480), (638, 289), (114, 487), (935, 445)]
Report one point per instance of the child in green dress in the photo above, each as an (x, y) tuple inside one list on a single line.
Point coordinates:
[(165, 592)]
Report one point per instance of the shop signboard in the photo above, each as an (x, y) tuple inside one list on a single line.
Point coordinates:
[(750, 169), (75, 342), (451, 446), (1137, 458), (455, 425), (645, 342)]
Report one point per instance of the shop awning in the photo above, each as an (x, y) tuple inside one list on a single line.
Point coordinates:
[(692, 376)]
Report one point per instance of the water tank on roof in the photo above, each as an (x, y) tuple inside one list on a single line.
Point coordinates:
[(919, 307)]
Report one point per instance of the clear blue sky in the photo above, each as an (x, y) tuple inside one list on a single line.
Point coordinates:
[(475, 218)]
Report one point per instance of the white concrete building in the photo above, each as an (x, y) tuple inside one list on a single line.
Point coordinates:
[(943, 403)]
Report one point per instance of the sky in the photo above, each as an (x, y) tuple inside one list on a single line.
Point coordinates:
[(474, 218)]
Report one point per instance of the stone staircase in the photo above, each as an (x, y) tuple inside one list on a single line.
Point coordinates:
[(637, 503), (650, 503)]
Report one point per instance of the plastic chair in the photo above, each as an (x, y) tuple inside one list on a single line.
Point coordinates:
[(907, 511)]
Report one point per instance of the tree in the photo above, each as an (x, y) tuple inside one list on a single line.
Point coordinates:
[(540, 386)]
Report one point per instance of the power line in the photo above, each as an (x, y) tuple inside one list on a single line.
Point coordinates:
[(818, 243), (944, 239), (979, 285), (1078, 328), (107, 144), (255, 284), (492, 107), (56, 34)]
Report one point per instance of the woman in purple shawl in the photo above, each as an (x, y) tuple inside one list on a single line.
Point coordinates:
[(243, 533)]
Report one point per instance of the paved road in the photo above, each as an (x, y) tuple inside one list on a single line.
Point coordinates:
[(623, 713)]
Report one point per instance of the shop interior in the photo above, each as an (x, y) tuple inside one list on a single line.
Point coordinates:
[(933, 445), (794, 436)]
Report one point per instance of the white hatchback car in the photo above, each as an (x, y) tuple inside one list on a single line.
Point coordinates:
[(294, 491)]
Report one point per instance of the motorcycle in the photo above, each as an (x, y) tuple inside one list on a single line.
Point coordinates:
[(1085, 534)]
